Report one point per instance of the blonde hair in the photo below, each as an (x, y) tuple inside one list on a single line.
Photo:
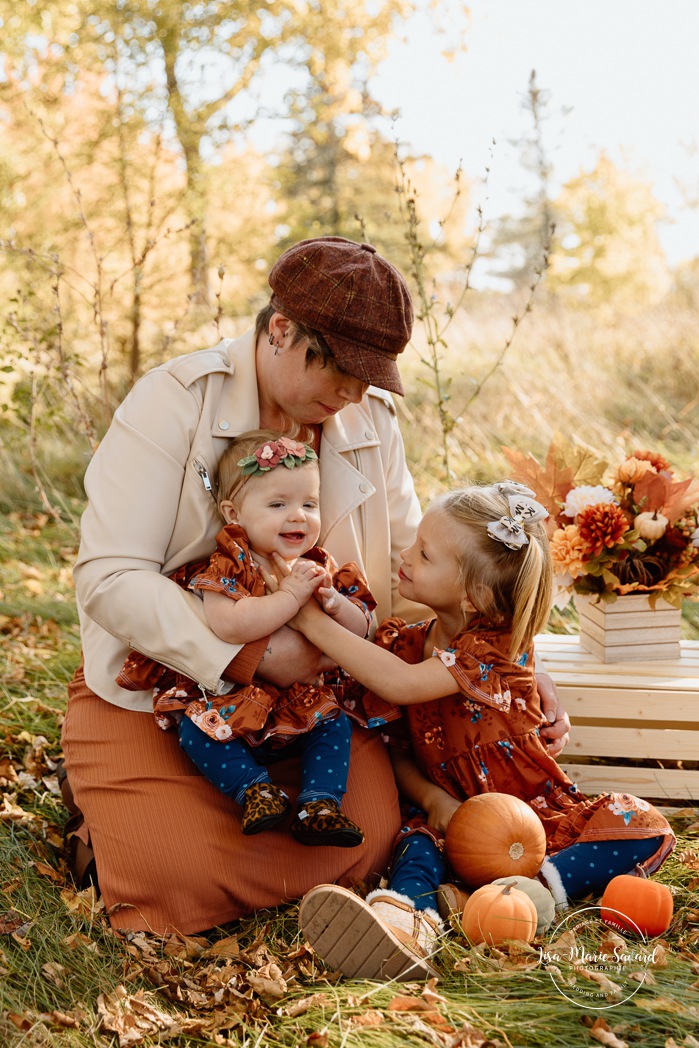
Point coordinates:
[(510, 587), (230, 476)]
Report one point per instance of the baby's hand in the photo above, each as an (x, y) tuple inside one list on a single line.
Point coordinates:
[(303, 580)]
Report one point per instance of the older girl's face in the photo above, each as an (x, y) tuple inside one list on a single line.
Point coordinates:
[(429, 571), (307, 394)]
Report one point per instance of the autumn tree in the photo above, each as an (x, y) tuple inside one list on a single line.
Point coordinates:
[(190, 68), (607, 231)]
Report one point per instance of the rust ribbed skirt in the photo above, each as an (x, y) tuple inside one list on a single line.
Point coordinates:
[(168, 846)]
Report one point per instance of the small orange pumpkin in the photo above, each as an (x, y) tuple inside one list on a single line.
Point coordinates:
[(494, 835), (495, 913), (633, 904)]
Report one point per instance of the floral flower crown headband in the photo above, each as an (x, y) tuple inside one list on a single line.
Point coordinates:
[(272, 453), (509, 529)]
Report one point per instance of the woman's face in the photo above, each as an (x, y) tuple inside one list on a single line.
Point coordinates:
[(309, 394)]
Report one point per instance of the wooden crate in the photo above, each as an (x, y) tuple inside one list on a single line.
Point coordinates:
[(637, 711), (629, 629)]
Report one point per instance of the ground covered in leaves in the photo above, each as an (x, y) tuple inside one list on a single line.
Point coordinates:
[(66, 979)]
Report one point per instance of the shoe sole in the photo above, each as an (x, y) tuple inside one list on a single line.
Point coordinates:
[(330, 838), (348, 936), (267, 822)]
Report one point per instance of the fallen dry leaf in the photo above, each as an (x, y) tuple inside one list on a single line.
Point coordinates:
[(45, 870), (268, 980), (62, 1019), (54, 973), (659, 957), (610, 989), (371, 1017), (76, 939), (303, 1004), (689, 858), (84, 904), (22, 1022), (664, 1004), (228, 947), (12, 922), (647, 978), (11, 811), (601, 1032), (409, 1004), (430, 993), (133, 1017)]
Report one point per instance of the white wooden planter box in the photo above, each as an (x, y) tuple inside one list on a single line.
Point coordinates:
[(645, 711), (629, 630)]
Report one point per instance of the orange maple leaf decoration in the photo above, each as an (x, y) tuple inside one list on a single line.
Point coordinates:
[(550, 482)]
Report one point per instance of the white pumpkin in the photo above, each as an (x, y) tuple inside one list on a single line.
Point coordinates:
[(650, 526), (539, 895)]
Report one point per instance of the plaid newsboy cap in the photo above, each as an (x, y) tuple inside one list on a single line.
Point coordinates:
[(354, 298)]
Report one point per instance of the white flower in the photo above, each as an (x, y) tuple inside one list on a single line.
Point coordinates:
[(448, 658), (585, 495)]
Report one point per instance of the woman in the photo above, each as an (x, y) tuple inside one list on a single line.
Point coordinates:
[(339, 317)]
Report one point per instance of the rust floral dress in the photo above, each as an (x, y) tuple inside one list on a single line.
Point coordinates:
[(257, 712), (485, 738)]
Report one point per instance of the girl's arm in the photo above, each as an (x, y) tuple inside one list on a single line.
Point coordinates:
[(251, 618), (414, 785), (377, 669)]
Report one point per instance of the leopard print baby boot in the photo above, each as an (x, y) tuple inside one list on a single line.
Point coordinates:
[(265, 806), (323, 822)]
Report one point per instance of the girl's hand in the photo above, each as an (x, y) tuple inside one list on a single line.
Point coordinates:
[(328, 596), (440, 810)]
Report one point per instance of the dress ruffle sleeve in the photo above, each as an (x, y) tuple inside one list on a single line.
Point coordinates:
[(231, 569)]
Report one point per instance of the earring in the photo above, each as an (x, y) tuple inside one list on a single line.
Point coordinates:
[(271, 339)]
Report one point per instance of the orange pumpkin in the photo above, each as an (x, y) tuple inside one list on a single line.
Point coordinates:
[(494, 835), (633, 904), (495, 913)]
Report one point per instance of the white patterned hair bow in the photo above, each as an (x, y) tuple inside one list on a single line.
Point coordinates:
[(513, 487), (510, 529)]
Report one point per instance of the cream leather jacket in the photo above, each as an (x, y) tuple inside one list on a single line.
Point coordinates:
[(151, 508)]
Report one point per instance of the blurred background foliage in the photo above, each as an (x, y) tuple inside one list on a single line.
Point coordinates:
[(139, 220)]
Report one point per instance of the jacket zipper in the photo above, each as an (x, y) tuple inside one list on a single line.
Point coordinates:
[(203, 472)]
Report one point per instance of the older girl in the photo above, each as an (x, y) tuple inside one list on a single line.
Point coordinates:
[(465, 675)]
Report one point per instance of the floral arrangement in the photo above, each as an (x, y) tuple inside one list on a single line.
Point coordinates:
[(626, 528)]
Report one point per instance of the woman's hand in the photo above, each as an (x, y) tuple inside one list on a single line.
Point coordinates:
[(556, 729)]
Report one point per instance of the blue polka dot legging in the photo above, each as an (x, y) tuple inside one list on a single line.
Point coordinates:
[(586, 867), (233, 766), (418, 866), (417, 870)]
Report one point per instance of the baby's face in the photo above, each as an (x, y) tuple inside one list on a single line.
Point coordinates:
[(280, 511)]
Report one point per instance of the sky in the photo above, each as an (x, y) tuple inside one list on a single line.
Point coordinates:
[(625, 72)]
